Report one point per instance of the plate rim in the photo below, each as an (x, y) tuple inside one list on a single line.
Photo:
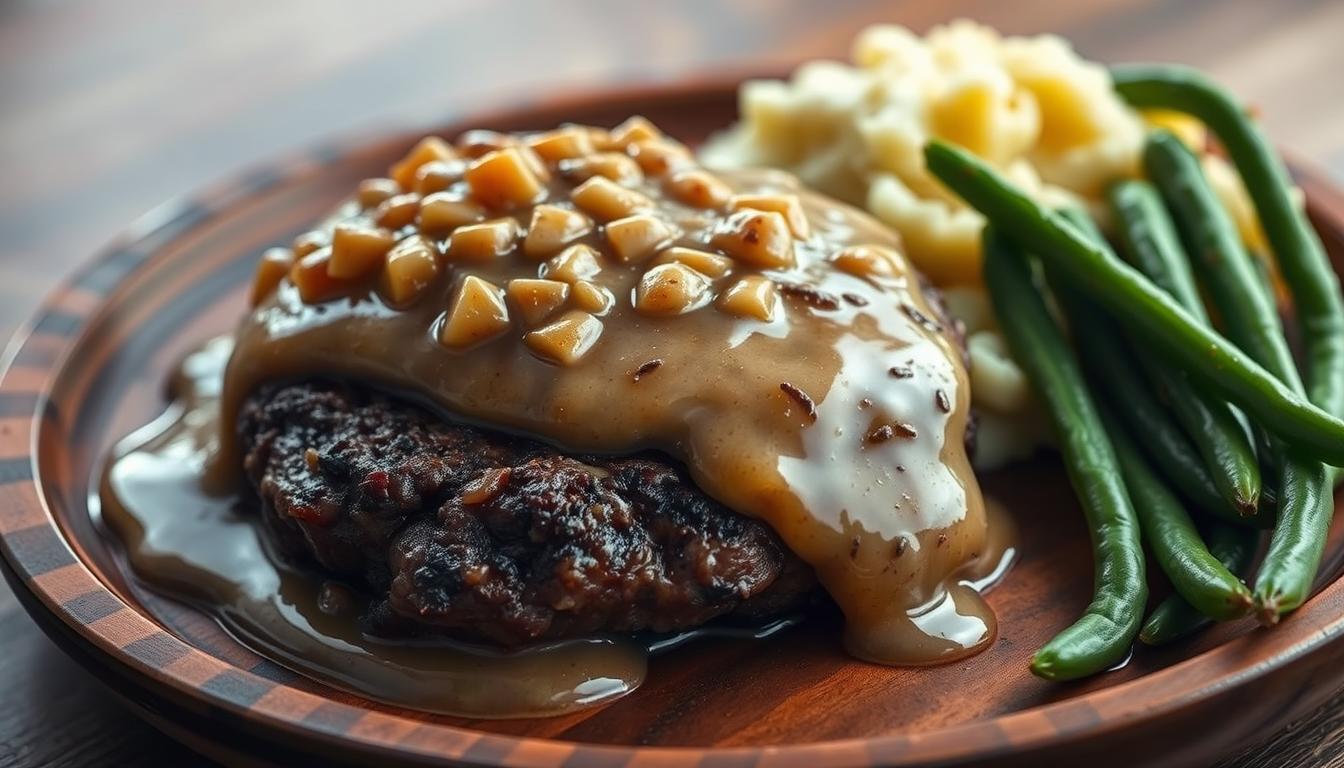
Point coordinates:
[(33, 544)]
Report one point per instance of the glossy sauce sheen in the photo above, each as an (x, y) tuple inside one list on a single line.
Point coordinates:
[(840, 421), (212, 551), (205, 550)]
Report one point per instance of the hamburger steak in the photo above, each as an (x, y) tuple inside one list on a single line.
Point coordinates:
[(520, 277), (457, 531), (462, 532)]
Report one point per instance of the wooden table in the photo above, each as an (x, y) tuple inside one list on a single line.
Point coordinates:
[(108, 109)]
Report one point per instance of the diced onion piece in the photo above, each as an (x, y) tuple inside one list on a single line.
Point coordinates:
[(698, 188), (600, 137), (753, 296), (562, 144), (535, 162), (429, 149), (356, 251), (575, 263), (605, 200), (483, 242), (442, 212), (309, 274), (275, 264), (478, 143), (397, 211), (635, 238), (552, 228), (482, 141), (371, 192), (438, 176), (759, 238), (670, 289), (657, 157), (566, 340), (478, 313), (310, 241), (411, 267), (536, 299), (704, 262), (591, 297), (868, 260), (635, 128), (504, 179), (787, 206), (612, 165)]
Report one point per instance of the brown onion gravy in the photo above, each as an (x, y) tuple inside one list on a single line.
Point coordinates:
[(839, 420), (205, 550), (805, 381)]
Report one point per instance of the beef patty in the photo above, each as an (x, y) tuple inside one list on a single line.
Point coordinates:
[(462, 532)]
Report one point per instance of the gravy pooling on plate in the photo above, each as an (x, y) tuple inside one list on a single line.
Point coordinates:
[(214, 552), (209, 551), (600, 291)]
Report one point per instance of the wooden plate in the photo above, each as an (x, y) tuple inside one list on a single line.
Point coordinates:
[(90, 367)]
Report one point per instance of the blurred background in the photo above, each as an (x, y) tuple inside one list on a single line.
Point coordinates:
[(109, 108)]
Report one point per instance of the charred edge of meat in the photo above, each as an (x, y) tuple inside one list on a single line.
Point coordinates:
[(461, 532)]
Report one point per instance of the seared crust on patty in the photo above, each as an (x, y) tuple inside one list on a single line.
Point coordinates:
[(462, 532)]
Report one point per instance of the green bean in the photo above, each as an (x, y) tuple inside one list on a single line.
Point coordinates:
[(1297, 248), (1227, 272), (1161, 322), (1109, 360), (1252, 321), (1106, 630), (1174, 618), (1149, 241), (1215, 431), (1211, 425), (1306, 505), (1117, 380), (1176, 545), (1171, 535)]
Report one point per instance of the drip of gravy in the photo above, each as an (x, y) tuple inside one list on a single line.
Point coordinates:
[(205, 550), (209, 551), (839, 421)]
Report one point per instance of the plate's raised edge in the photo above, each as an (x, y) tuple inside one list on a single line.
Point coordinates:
[(50, 578)]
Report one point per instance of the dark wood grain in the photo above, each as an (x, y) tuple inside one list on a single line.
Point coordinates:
[(107, 110), (53, 714), (1314, 740)]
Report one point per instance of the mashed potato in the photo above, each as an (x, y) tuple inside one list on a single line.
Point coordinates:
[(1029, 105)]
